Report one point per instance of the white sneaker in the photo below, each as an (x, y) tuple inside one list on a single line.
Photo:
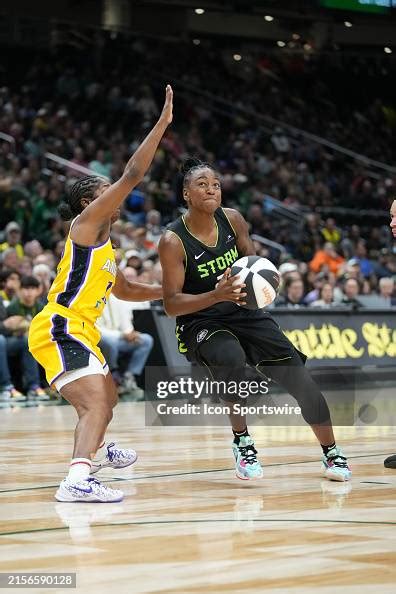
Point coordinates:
[(90, 490), (115, 458)]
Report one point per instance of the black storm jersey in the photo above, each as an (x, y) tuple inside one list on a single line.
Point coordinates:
[(205, 263)]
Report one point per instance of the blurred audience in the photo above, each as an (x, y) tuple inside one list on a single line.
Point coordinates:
[(119, 338), (335, 239)]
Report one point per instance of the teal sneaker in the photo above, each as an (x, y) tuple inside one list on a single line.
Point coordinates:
[(335, 466), (247, 466)]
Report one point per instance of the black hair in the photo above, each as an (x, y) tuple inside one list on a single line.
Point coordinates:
[(5, 274), (83, 187), (190, 166), (29, 281), (290, 280)]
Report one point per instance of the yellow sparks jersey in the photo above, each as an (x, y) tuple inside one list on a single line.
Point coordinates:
[(84, 280), (63, 336)]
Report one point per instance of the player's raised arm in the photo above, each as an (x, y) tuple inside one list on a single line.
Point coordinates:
[(98, 211), (177, 303)]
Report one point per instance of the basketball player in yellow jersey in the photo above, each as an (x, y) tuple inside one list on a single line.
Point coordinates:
[(63, 337)]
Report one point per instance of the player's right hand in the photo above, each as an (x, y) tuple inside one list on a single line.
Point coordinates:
[(229, 288), (167, 111)]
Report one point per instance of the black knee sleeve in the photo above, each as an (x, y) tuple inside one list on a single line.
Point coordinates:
[(225, 359), (296, 379), (222, 350)]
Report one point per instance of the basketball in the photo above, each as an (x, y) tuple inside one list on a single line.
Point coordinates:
[(261, 278)]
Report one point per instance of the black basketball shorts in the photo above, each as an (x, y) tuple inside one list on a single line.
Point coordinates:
[(257, 332)]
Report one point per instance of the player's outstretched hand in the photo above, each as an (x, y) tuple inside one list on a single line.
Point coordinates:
[(229, 288), (167, 111)]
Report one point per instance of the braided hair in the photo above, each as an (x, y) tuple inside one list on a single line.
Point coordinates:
[(190, 166), (83, 187)]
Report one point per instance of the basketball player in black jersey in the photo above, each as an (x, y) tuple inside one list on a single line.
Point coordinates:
[(212, 328), (390, 461)]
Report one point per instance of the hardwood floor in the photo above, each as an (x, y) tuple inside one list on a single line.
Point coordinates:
[(187, 524)]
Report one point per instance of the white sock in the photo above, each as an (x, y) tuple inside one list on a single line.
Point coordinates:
[(79, 469)]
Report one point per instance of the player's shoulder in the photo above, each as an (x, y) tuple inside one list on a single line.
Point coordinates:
[(235, 218), (233, 214), (170, 240)]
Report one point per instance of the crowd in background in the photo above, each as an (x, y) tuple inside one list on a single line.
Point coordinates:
[(93, 106)]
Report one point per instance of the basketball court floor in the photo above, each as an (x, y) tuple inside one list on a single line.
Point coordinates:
[(187, 524)]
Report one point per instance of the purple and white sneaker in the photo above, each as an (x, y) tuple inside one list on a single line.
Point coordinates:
[(90, 491), (114, 458)]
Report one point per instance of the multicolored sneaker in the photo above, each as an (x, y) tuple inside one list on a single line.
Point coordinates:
[(37, 394), (90, 490), (247, 466), (114, 458), (335, 466)]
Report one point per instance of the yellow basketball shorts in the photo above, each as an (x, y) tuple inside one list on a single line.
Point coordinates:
[(61, 342)]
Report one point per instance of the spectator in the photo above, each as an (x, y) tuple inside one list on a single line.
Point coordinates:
[(289, 270), (280, 141), (120, 338), (99, 164), (134, 206), (327, 259), (144, 245), (134, 259), (45, 276), (8, 326), (26, 305), (33, 249), (386, 287), (330, 232), (352, 270), (318, 282), (294, 294), (44, 212), (10, 282), (154, 227), (25, 267), (351, 291), (10, 259), (326, 299), (13, 234), (366, 266)]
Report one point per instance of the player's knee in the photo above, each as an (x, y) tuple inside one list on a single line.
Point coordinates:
[(114, 398), (223, 352), (99, 408), (105, 411)]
